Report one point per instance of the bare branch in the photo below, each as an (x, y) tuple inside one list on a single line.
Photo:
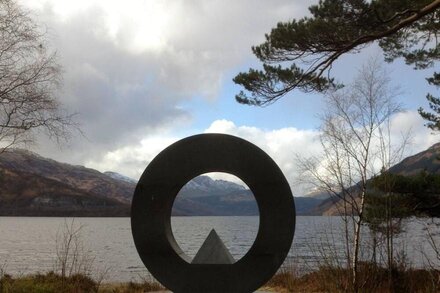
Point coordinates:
[(30, 80)]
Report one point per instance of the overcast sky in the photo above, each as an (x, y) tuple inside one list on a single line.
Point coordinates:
[(143, 74)]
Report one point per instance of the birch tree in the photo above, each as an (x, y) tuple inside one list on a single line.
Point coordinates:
[(357, 143)]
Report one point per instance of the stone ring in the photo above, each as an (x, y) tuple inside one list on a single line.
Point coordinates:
[(158, 187)]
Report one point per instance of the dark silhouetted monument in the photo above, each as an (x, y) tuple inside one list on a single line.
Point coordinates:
[(213, 269)]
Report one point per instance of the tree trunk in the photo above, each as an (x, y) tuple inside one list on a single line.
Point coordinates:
[(391, 268), (357, 238), (374, 254), (347, 235)]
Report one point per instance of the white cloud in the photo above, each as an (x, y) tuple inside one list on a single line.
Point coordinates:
[(135, 26), (129, 65), (422, 137), (281, 144), (132, 160)]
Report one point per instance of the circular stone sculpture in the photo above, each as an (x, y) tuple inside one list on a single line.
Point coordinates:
[(169, 172)]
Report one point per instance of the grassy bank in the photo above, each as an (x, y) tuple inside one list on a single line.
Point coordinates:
[(55, 283), (372, 279), (326, 279)]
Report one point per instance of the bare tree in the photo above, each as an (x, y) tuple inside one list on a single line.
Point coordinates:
[(433, 231), (71, 256), (356, 142), (29, 79)]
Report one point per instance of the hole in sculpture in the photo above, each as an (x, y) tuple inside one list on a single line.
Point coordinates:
[(215, 219)]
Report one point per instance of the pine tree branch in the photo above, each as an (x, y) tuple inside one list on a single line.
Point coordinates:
[(373, 37), (295, 42)]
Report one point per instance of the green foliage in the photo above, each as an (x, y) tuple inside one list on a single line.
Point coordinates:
[(417, 195), (434, 104), (297, 54), (276, 81), (382, 208)]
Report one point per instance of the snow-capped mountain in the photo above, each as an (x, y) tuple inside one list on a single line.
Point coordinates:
[(205, 186)]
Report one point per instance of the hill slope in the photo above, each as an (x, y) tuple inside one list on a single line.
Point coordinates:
[(33, 185), (86, 180), (428, 160)]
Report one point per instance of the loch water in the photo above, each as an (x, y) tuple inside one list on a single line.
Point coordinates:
[(28, 244)]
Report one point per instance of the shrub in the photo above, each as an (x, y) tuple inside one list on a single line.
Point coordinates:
[(48, 283)]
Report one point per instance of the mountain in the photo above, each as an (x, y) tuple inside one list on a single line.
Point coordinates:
[(208, 197), (307, 206), (205, 185), (428, 160), (318, 194), (82, 179), (27, 194), (33, 185), (120, 177)]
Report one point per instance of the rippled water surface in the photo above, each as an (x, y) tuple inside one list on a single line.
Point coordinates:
[(28, 245)]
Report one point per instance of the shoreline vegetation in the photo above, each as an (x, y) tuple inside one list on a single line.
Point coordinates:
[(325, 279)]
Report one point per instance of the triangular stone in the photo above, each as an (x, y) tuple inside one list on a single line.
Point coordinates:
[(213, 251)]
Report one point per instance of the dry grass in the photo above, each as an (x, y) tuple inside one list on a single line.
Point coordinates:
[(131, 287), (326, 279), (55, 283), (47, 283), (372, 279)]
